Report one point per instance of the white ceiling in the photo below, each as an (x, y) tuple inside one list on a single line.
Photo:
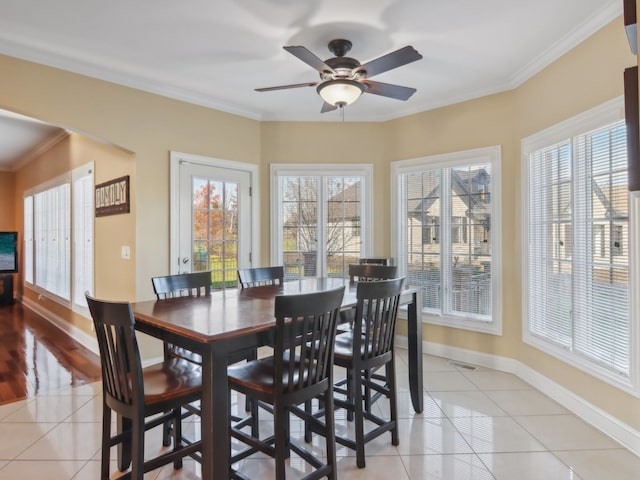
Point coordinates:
[(215, 52)]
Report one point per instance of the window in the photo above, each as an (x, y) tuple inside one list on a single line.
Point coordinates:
[(58, 236), (28, 239), (448, 234), (322, 220), (576, 276)]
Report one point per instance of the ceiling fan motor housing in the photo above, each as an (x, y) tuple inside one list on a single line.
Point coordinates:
[(339, 47)]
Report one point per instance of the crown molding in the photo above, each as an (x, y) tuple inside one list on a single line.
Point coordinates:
[(40, 149), (572, 39)]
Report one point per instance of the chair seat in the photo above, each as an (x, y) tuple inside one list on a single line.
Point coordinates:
[(258, 375), (171, 379)]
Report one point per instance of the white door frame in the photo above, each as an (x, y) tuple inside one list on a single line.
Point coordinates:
[(176, 158)]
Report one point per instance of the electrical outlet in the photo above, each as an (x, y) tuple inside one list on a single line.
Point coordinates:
[(126, 252)]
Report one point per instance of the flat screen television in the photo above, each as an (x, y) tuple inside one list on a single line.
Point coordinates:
[(8, 252)]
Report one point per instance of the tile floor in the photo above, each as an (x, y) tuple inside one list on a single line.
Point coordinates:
[(479, 424)]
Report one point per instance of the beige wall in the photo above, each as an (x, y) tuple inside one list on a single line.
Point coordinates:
[(150, 126)]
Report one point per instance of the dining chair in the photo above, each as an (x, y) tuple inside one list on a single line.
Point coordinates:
[(368, 272), (299, 370), (135, 394), (195, 284), (254, 277), (364, 272), (367, 348)]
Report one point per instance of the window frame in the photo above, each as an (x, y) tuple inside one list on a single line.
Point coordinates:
[(592, 119), (364, 170), (491, 155)]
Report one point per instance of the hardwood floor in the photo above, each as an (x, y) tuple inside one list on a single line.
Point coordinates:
[(36, 357)]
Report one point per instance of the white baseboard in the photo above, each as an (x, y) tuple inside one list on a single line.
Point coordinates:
[(595, 416), (74, 332)]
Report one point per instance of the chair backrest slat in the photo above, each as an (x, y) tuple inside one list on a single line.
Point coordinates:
[(376, 314), (370, 272), (377, 261), (305, 334), (254, 277), (194, 284)]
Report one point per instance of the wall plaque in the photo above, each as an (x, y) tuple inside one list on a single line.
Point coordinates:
[(112, 197)]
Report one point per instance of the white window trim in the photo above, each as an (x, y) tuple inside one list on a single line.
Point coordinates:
[(79, 172), (175, 158), (608, 112), (490, 155), (301, 169)]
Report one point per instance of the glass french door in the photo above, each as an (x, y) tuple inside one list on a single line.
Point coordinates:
[(320, 222), (214, 221)]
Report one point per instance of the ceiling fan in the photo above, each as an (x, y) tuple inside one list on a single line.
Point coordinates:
[(344, 79)]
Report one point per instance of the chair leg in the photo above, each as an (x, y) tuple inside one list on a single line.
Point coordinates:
[(393, 400), (308, 408), (255, 420), (124, 447), (106, 449), (350, 393), (359, 417), (330, 433), (281, 438), (167, 433), (177, 436), (253, 355), (367, 391), (137, 444)]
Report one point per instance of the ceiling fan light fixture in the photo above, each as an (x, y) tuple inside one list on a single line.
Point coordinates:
[(340, 92)]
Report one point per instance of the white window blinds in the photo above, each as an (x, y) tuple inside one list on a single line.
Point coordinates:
[(578, 252), (52, 229)]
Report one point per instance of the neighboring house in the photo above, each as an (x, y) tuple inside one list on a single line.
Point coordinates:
[(470, 218)]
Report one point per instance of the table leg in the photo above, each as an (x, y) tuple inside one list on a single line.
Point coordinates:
[(215, 417), (414, 310), (216, 444)]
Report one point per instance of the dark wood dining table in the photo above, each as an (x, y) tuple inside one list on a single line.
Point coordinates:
[(231, 320)]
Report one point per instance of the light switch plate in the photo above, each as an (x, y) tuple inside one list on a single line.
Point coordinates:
[(126, 252)]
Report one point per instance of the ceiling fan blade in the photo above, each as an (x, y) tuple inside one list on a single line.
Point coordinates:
[(327, 107), (309, 58), (391, 60), (283, 87), (389, 90)]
